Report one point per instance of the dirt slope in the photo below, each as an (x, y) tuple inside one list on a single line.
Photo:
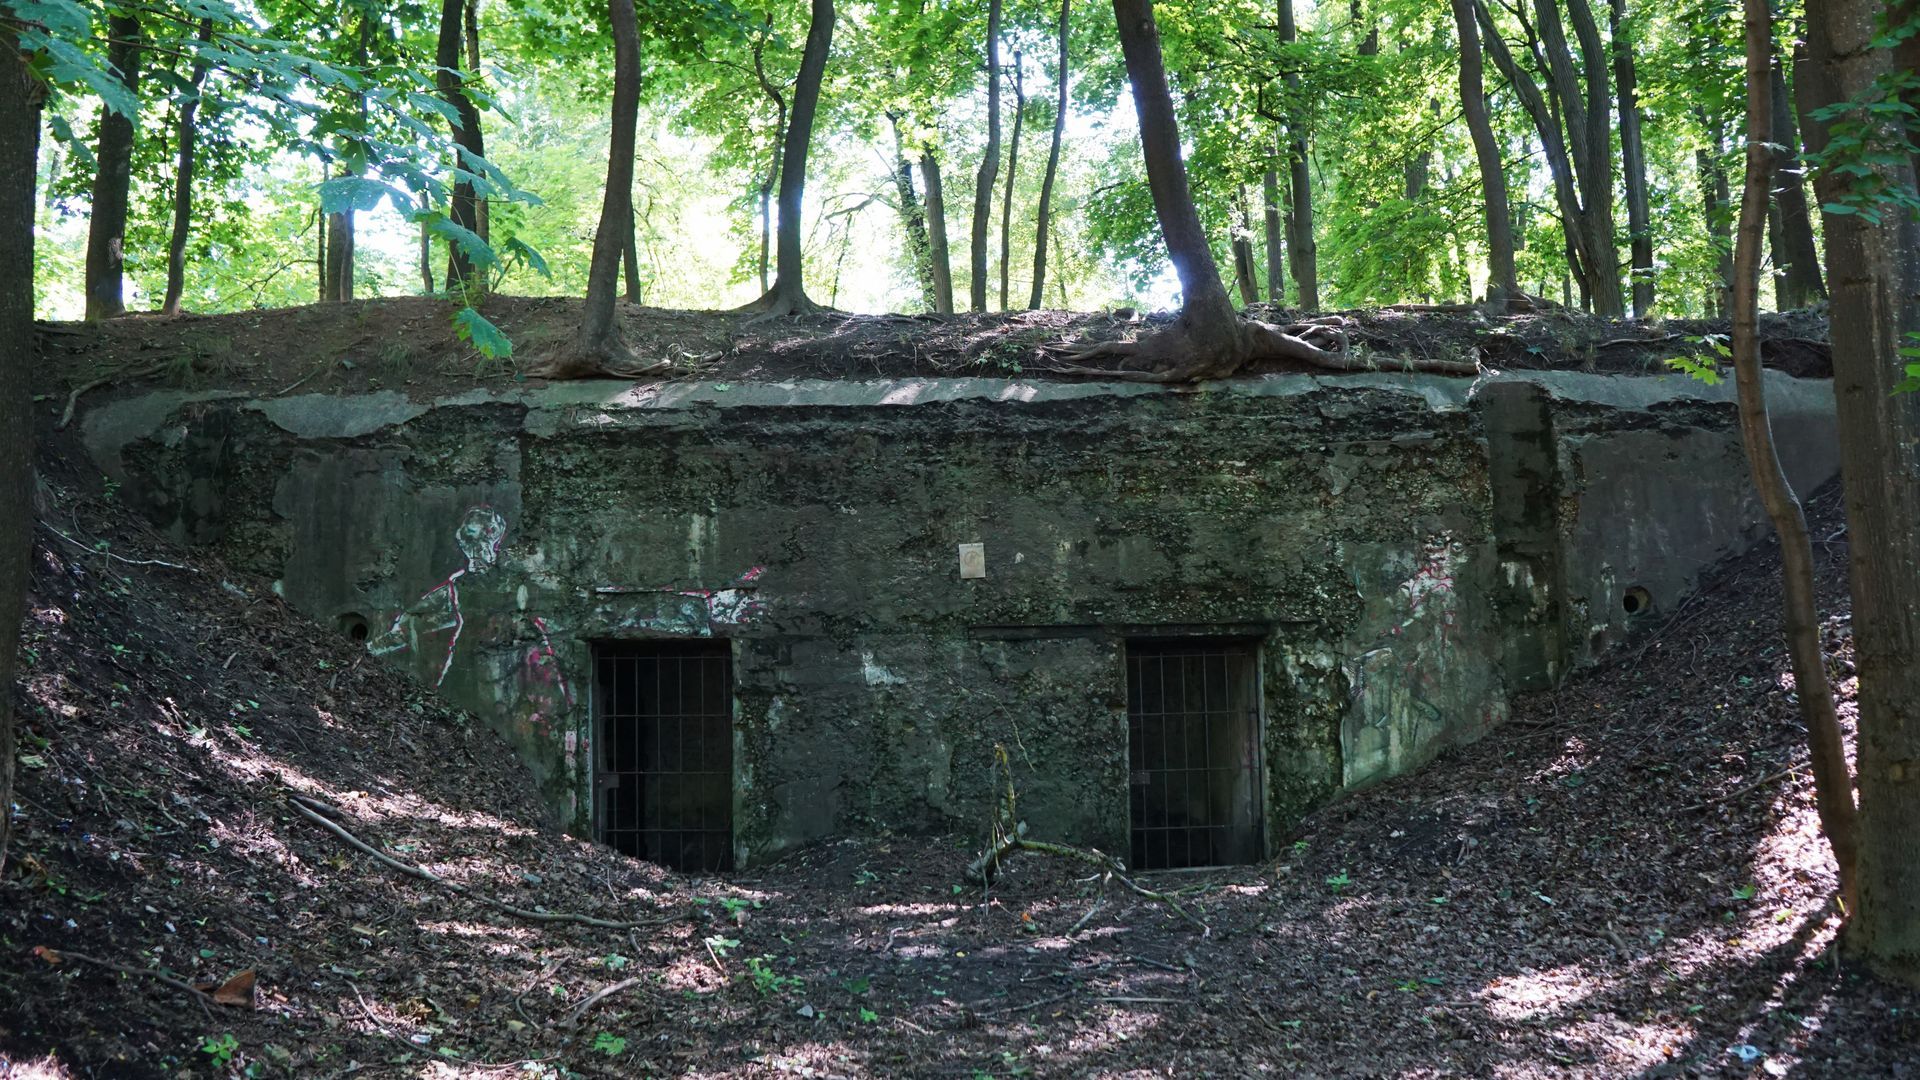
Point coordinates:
[(1626, 881)]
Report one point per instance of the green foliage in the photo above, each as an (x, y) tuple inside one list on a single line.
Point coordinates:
[(767, 981), (1705, 371), (486, 338), (609, 1044), (220, 1048)]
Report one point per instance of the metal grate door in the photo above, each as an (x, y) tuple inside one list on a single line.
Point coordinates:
[(1193, 749), (663, 776)]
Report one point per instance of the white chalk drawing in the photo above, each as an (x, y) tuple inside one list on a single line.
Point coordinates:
[(438, 609)]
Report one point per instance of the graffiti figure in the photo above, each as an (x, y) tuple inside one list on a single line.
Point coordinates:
[(438, 609)]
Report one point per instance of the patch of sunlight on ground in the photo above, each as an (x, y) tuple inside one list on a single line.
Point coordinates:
[(45, 1068), (1530, 995)]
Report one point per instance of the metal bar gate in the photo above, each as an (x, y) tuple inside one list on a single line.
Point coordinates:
[(663, 746), (1193, 749)]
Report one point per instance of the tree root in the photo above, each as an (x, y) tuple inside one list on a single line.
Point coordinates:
[(780, 302), (73, 399), (306, 808), (200, 997), (1174, 357), (604, 357)]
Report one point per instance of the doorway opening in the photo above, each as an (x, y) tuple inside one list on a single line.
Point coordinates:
[(663, 738), (1193, 753)]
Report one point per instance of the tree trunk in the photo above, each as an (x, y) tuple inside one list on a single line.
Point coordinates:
[(772, 91), (426, 249), (1243, 251), (1207, 319), (630, 254), (1302, 252), (1013, 172), (913, 219), (937, 234), (1800, 616), (107, 224), (183, 183), (1633, 162), (1502, 286), (989, 166), (1796, 260), (466, 137), (337, 282), (20, 99), (788, 295), (320, 252), (1044, 218), (1873, 270), (1276, 250), (1717, 204), (597, 348), (1590, 145), (482, 216), (1587, 223), (1208, 340)]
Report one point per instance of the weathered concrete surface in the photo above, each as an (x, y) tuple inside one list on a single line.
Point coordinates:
[(1404, 549)]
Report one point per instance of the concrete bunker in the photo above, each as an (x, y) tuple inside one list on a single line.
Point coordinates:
[(1316, 582)]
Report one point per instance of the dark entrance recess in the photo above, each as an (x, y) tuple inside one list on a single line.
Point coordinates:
[(1193, 754), (663, 765)]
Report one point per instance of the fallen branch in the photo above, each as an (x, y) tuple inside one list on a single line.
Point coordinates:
[(596, 998), (409, 869), (1731, 795), (1009, 834), (199, 996), (1035, 1004)]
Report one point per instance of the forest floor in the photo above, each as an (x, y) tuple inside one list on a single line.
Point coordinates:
[(408, 344), (1626, 880)]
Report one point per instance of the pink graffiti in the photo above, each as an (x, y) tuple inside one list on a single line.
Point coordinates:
[(438, 609), (542, 677)]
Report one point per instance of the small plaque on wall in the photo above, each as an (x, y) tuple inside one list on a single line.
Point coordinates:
[(973, 561)]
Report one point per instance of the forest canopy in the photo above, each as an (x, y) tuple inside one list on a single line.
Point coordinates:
[(1331, 157)]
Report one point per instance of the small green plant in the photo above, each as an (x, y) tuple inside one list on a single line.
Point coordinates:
[(868, 1016), (1338, 881), (865, 877), (221, 1049), (720, 943), (1746, 892), (609, 1044), (614, 962), (768, 981), (1707, 372)]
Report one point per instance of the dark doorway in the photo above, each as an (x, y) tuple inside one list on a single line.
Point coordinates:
[(1193, 753), (663, 776)]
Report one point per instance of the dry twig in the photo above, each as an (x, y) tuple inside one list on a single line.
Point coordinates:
[(299, 803)]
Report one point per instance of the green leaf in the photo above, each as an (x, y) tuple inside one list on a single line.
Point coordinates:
[(343, 193), (479, 252), (473, 328)]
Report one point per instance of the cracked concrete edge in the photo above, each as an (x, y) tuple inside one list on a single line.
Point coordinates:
[(110, 428)]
